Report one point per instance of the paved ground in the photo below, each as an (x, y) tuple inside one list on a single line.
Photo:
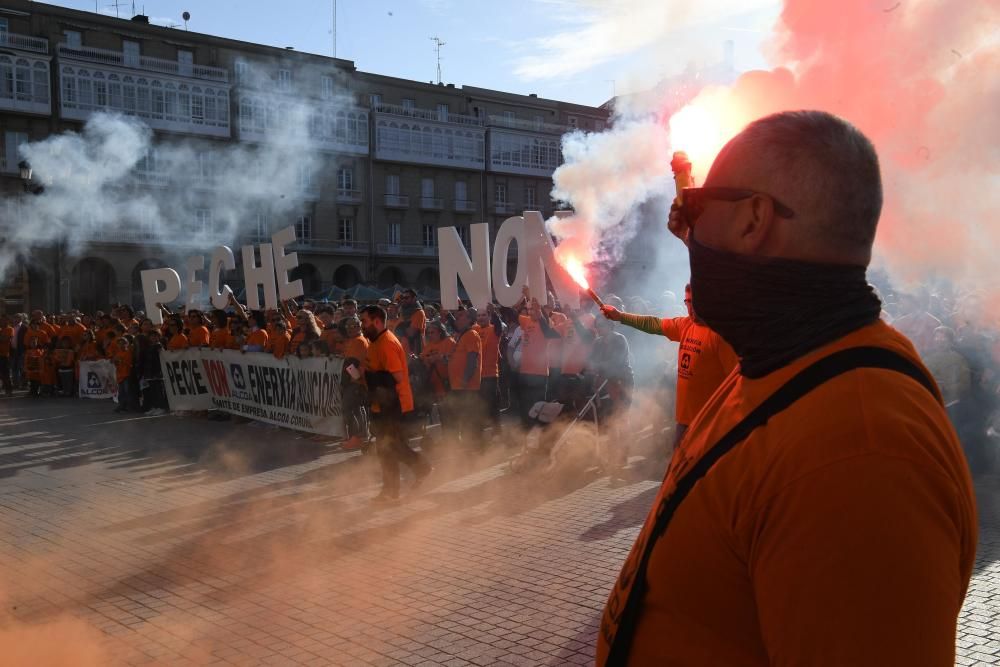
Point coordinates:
[(178, 540)]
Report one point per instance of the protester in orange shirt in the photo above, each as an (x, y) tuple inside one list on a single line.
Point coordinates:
[(123, 361), (74, 329), (257, 340), (463, 418), (36, 334), (704, 360), (176, 340), (198, 334), (435, 358), (354, 345), (819, 510), (306, 330), (89, 349), (64, 362), (6, 345), (388, 381), (491, 330), (219, 338), (34, 363), (278, 342)]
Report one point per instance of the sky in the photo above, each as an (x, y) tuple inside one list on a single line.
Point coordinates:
[(569, 50)]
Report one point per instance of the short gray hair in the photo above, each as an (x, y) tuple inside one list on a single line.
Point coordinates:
[(829, 163)]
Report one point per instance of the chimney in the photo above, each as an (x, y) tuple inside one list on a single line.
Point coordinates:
[(141, 18)]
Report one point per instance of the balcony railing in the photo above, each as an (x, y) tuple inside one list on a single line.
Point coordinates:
[(345, 196), (24, 42), (330, 245), (402, 249), (531, 125), (427, 114), (397, 201), (503, 208), (464, 206), (431, 203), (117, 58)]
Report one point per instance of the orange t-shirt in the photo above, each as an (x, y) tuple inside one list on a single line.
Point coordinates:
[(534, 347), (40, 334), (386, 354), (6, 336), (218, 339), (278, 344), (329, 336), (843, 532), (491, 351), (50, 329), (298, 338), (177, 342), (63, 358), (122, 360), (468, 341), (74, 332), (34, 361), (576, 351), (433, 357), (356, 348), (704, 360), (199, 337), (257, 338), (88, 352)]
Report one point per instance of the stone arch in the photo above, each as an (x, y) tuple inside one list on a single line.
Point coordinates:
[(346, 276), (312, 282), (428, 278), (93, 285), (390, 276)]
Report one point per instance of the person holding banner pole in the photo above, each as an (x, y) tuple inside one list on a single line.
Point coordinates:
[(388, 383)]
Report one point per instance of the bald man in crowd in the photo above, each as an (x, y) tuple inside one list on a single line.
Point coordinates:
[(819, 510)]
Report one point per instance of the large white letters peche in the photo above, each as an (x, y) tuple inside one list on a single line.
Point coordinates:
[(164, 285), (535, 260)]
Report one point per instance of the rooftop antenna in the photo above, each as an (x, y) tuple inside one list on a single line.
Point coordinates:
[(116, 4), (438, 44), (187, 17), (334, 28)]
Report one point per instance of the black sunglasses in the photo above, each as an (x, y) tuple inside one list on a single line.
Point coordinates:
[(693, 201)]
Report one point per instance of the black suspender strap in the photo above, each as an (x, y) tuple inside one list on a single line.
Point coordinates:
[(801, 384)]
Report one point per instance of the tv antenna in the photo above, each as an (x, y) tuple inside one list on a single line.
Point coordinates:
[(437, 45), (116, 4), (334, 31)]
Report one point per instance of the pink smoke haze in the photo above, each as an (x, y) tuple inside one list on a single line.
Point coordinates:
[(919, 78)]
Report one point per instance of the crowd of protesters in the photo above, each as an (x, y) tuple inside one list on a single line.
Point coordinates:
[(466, 366)]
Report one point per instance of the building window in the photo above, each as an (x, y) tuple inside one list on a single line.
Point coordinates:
[(463, 233), (241, 68), (599, 125), (345, 231), (262, 227), (508, 117), (375, 100), (571, 121), (130, 53), (284, 79), (202, 221), (185, 62), (74, 38), (539, 122), (429, 236), (523, 152), (461, 191), (327, 86), (409, 104), (427, 188), (392, 233), (3, 25), (529, 196), (11, 156), (442, 112), (392, 184), (500, 193), (345, 179), (303, 228)]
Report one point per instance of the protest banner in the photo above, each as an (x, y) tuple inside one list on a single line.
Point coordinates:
[(97, 379), (302, 394)]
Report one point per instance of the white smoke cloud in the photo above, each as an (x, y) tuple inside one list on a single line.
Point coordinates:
[(598, 31)]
